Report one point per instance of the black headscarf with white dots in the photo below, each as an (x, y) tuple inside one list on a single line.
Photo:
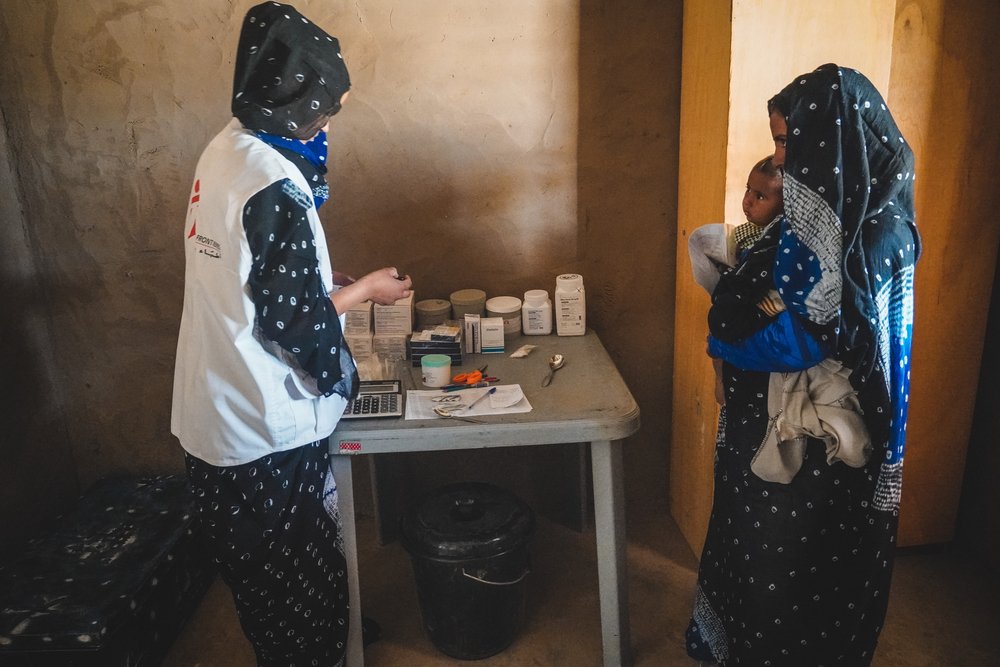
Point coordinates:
[(846, 163), (290, 74), (848, 240)]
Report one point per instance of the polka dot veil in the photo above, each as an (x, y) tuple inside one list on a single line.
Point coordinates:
[(290, 74)]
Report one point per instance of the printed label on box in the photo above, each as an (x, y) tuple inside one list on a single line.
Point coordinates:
[(358, 319), (492, 334), (395, 319)]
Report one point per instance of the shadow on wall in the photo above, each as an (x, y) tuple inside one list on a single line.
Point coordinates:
[(629, 120), (978, 526), (38, 477), (978, 523)]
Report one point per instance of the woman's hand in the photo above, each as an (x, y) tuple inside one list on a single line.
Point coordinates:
[(383, 287)]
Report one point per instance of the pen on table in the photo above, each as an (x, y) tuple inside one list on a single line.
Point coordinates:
[(473, 404), (457, 387)]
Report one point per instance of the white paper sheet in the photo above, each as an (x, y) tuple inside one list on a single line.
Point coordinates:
[(508, 399)]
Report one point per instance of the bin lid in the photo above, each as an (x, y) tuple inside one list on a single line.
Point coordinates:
[(467, 521)]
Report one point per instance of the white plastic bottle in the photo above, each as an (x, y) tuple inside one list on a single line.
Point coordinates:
[(571, 305), (536, 313)]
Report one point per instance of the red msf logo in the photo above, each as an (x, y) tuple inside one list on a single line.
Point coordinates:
[(195, 198)]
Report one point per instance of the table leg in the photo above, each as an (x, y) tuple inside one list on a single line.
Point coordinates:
[(609, 524), (341, 467)]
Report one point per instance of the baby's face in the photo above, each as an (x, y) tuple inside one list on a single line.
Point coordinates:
[(762, 200)]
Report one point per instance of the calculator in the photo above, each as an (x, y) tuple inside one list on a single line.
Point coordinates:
[(376, 398)]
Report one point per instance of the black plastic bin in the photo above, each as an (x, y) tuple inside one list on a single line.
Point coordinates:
[(468, 545)]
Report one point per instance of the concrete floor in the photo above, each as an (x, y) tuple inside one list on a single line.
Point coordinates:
[(943, 610)]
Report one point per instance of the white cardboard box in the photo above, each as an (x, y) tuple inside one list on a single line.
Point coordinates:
[(472, 333), (358, 320), (361, 345), (390, 346), (491, 330), (395, 319)]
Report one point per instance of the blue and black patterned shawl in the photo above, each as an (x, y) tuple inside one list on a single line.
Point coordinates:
[(849, 242)]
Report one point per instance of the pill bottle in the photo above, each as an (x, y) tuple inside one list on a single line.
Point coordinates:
[(571, 305), (435, 369), (536, 313), (509, 308)]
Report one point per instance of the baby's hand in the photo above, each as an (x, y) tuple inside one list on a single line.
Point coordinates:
[(771, 305)]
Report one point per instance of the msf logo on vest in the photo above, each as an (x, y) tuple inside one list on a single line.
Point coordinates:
[(206, 246)]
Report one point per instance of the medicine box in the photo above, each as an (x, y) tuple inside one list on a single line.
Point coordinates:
[(441, 339), (456, 358), (438, 336), (395, 319), (445, 332), (390, 346), (472, 334), (491, 331), (361, 345), (358, 320)]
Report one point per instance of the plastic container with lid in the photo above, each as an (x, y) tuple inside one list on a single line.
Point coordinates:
[(468, 546), (571, 305), (536, 313), (431, 312), (435, 369), (509, 308), (467, 301)]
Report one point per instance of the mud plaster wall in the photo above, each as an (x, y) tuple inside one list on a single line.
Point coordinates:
[(488, 144)]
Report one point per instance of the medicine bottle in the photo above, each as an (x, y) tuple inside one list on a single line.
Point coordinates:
[(536, 313), (571, 305)]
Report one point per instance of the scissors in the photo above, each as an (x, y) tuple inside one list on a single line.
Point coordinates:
[(472, 377)]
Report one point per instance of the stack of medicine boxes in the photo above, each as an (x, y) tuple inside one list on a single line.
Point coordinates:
[(438, 339), (393, 326), (358, 330)]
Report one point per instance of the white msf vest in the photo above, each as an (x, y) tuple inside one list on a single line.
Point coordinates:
[(234, 401)]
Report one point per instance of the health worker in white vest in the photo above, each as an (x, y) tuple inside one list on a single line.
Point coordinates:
[(263, 372)]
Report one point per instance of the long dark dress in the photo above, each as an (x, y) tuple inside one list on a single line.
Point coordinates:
[(798, 574)]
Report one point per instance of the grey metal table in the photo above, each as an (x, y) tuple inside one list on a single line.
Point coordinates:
[(587, 402)]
